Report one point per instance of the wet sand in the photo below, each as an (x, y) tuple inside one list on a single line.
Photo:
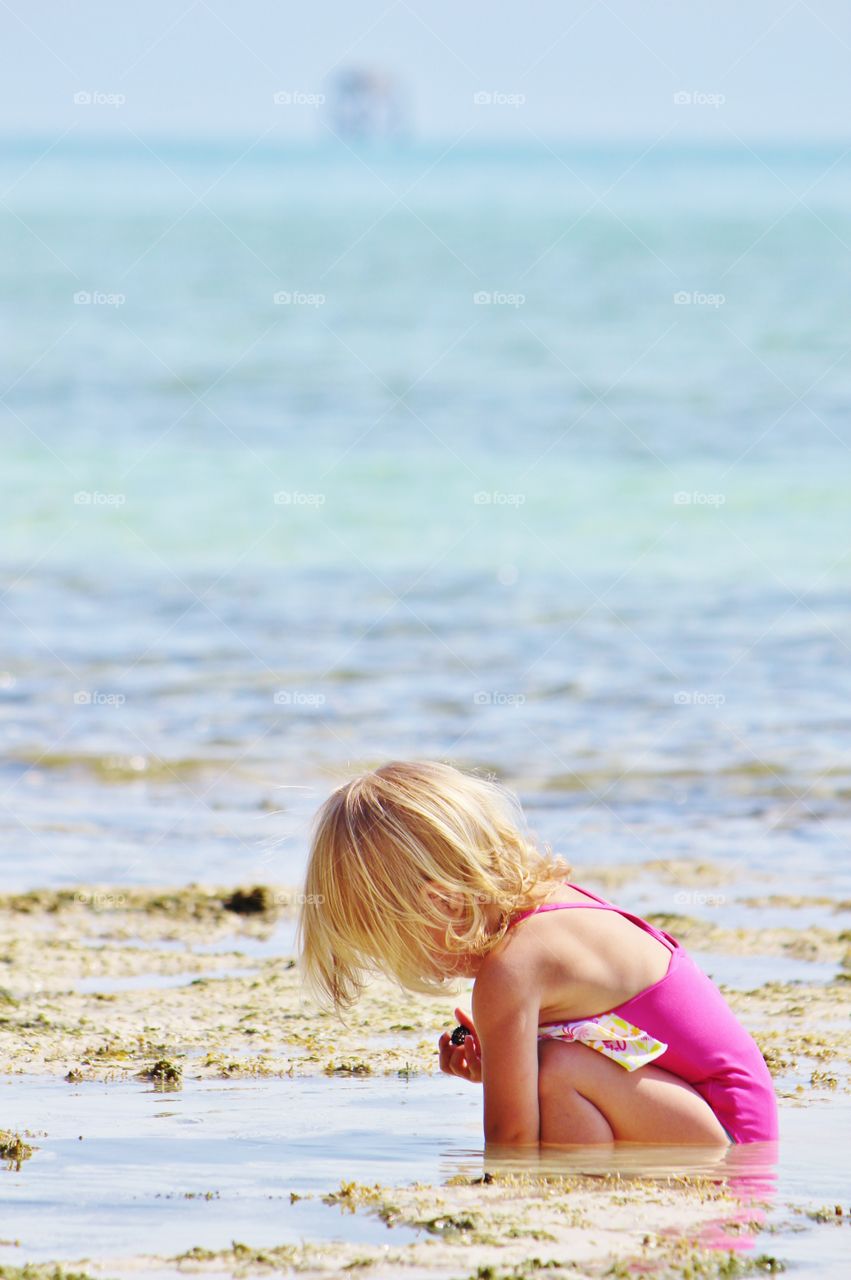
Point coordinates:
[(177, 987)]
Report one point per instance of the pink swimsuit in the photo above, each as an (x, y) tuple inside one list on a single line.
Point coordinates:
[(683, 1023)]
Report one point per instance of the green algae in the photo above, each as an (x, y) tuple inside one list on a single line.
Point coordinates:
[(353, 1068), (700, 1264), (797, 900), (519, 1271), (14, 1150), (775, 1060), (277, 1257), (188, 1195), (674, 923), (43, 1271), (164, 1073), (827, 1213), (112, 767), (46, 1027), (192, 901), (249, 902)]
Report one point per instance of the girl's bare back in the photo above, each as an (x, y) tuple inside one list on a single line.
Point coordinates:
[(590, 960)]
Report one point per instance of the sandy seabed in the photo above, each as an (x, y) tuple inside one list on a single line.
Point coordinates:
[(176, 985)]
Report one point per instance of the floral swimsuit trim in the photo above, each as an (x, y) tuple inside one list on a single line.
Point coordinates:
[(610, 1034)]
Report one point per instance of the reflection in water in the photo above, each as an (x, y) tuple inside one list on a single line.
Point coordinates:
[(746, 1171), (746, 1166)]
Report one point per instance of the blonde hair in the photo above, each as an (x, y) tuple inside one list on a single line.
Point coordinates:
[(380, 842)]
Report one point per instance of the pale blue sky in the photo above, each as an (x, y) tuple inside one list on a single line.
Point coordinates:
[(587, 68)]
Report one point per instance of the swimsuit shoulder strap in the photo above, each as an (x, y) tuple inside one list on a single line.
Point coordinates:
[(566, 906), (600, 904)]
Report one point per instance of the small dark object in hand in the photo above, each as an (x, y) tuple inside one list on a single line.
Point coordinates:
[(459, 1035)]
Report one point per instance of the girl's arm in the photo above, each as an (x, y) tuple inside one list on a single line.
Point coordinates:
[(506, 1006)]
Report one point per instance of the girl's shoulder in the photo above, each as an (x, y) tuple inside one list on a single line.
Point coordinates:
[(508, 978), (514, 959)]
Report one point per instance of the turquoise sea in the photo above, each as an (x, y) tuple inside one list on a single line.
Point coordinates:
[(532, 459), (536, 460)]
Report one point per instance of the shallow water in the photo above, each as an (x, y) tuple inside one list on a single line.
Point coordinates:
[(124, 1168), (142, 981), (744, 973), (187, 671), (279, 942)]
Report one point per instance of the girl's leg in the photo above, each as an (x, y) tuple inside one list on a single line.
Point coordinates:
[(586, 1097)]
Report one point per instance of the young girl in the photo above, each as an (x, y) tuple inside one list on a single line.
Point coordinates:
[(589, 1025)]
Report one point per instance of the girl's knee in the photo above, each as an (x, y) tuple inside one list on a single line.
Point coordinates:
[(558, 1063)]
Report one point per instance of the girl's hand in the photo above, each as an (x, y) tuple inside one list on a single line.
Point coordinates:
[(463, 1060)]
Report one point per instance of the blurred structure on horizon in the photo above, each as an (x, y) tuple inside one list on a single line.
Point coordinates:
[(367, 103)]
